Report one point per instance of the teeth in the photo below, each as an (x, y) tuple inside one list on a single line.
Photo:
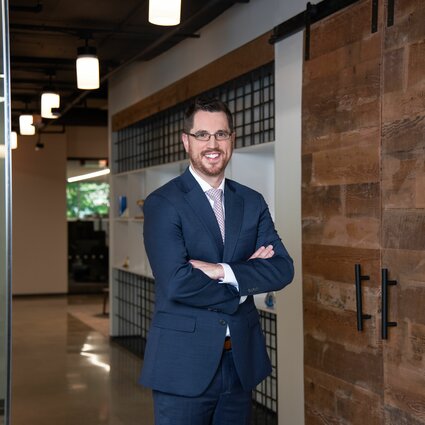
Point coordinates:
[(212, 155)]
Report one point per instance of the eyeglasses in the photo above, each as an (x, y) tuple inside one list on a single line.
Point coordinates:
[(204, 136)]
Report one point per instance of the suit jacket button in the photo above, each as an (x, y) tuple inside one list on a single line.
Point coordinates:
[(222, 322)]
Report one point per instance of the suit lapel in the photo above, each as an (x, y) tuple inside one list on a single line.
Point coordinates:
[(202, 208), (234, 208)]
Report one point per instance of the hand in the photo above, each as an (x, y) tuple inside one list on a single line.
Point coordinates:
[(263, 252), (212, 270)]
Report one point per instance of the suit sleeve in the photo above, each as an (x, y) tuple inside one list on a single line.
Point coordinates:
[(168, 257), (264, 275)]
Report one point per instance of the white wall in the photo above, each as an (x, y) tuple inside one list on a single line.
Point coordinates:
[(288, 90), (39, 234)]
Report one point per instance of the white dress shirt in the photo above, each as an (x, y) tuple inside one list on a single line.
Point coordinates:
[(229, 277)]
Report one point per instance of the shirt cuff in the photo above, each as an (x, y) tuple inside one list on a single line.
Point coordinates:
[(230, 279), (229, 276)]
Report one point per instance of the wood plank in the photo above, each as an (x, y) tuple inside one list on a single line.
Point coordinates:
[(401, 105), (349, 102), (341, 296), (408, 268), (404, 389), (359, 368), (334, 401), (408, 25), (361, 232), (363, 200), (339, 326), (355, 164), (404, 134), (336, 263), (405, 8), (416, 65), (366, 136), (321, 202), (341, 29), (226, 68), (403, 178), (394, 66), (403, 229), (395, 416), (332, 63), (307, 162)]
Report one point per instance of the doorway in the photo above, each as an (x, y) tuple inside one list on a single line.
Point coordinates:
[(87, 195)]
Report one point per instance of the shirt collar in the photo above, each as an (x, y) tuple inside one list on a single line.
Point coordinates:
[(204, 185)]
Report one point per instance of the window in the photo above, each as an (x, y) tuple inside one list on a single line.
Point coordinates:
[(87, 200)]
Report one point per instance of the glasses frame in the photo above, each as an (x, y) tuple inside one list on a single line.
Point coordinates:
[(195, 135)]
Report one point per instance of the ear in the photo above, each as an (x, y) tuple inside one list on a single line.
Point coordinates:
[(185, 140)]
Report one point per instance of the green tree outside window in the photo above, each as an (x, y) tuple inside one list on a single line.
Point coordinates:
[(87, 199)]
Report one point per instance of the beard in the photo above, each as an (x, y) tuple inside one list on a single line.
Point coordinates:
[(212, 170)]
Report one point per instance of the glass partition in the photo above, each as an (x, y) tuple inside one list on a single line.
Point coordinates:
[(5, 219)]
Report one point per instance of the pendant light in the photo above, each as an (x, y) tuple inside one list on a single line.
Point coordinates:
[(164, 12), (13, 144), (13, 140), (26, 125), (49, 100), (87, 68)]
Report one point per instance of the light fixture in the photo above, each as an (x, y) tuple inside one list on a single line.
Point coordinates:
[(87, 68), (49, 100), (13, 144), (13, 140), (26, 125), (89, 175), (164, 12)]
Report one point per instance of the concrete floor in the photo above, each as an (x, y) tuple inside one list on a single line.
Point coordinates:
[(65, 372)]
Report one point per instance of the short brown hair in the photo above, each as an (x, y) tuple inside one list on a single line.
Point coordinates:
[(207, 104)]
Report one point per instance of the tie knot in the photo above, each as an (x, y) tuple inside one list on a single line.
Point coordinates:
[(215, 194)]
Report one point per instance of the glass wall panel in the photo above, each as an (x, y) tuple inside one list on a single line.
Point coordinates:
[(5, 219)]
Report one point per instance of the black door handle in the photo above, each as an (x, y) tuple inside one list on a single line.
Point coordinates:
[(384, 311), (359, 302)]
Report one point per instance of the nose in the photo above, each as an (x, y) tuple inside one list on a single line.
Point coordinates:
[(212, 142)]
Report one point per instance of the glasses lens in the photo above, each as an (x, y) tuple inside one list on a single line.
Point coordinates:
[(222, 135), (203, 136)]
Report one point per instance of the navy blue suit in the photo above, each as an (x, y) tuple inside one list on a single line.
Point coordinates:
[(192, 311)]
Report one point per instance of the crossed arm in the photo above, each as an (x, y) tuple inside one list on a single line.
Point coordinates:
[(216, 271)]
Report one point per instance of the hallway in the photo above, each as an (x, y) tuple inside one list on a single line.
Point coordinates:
[(65, 372)]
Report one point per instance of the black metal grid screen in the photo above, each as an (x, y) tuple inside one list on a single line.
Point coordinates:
[(135, 299), (157, 139), (265, 395)]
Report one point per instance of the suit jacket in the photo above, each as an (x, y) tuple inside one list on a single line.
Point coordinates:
[(192, 311)]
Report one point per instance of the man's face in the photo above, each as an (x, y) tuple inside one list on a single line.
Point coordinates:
[(209, 158)]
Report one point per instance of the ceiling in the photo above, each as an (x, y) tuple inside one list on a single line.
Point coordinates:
[(45, 35)]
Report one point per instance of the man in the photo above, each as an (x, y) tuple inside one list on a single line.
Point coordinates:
[(210, 252)]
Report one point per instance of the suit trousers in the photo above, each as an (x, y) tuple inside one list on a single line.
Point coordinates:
[(224, 402)]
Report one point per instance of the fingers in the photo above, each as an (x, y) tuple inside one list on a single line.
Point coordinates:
[(263, 252)]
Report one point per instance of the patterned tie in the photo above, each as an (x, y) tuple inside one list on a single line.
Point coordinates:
[(216, 196)]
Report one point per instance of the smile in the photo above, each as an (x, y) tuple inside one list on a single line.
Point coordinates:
[(213, 155)]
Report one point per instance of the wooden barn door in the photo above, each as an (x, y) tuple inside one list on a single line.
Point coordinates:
[(341, 213), (403, 212), (364, 203)]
